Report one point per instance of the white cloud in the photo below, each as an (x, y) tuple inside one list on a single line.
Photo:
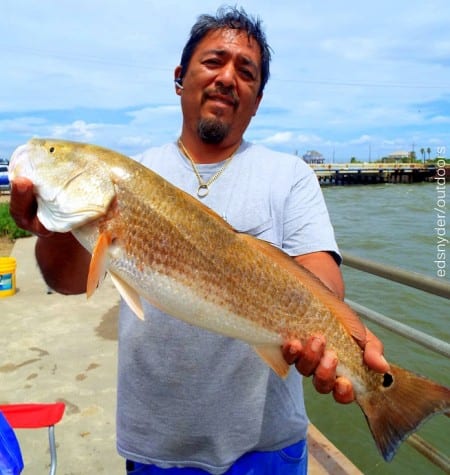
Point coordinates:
[(135, 142), (278, 138), (364, 139), (309, 139), (147, 115), (78, 130), (440, 119), (351, 48), (21, 125)]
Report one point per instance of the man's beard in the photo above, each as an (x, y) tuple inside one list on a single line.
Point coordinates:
[(212, 131)]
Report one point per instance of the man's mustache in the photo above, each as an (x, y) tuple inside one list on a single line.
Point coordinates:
[(222, 92)]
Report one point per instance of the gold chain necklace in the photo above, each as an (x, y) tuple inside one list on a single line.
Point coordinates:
[(203, 186)]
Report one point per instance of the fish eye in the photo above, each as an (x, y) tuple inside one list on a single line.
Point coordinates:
[(51, 149), (387, 380)]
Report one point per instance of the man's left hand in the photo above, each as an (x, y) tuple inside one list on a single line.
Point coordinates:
[(314, 359)]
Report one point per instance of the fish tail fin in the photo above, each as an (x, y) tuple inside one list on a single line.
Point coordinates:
[(400, 406)]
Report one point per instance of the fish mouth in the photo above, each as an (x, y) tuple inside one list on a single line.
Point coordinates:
[(19, 163)]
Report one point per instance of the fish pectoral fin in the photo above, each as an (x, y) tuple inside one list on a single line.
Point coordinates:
[(98, 265), (97, 271), (273, 357), (130, 295)]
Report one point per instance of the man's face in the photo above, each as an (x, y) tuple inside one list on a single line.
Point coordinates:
[(221, 86)]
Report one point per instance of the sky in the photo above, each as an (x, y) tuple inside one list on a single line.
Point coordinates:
[(348, 78)]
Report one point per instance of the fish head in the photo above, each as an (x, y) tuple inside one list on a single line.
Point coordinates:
[(72, 184)]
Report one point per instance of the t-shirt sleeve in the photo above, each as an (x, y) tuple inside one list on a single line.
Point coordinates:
[(307, 225)]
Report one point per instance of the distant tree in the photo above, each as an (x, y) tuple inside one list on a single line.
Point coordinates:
[(422, 152), (412, 156), (385, 160), (429, 153)]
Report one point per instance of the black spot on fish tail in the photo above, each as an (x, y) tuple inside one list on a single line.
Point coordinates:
[(387, 380)]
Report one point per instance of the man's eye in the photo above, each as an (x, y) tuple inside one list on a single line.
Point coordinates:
[(211, 62), (247, 74)]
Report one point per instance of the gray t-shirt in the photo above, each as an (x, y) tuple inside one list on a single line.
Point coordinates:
[(189, 397)]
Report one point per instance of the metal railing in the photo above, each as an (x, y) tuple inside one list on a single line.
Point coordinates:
[(411, 279), (371, 166), (417, 281)]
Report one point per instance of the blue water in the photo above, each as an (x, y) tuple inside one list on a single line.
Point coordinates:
[(396, 225)]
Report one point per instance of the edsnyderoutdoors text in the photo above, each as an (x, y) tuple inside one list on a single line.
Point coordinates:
[(440, 209)]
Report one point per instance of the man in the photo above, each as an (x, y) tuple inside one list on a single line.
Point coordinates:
[(190, 401)]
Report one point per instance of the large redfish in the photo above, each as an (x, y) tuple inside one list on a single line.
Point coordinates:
[(160, 243)]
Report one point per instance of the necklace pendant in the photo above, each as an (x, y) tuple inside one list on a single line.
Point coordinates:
[(202, 190), (203, 187)]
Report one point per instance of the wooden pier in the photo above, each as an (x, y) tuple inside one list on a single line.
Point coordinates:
[(372, 173)]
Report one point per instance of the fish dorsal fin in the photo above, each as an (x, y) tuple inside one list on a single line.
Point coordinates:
[(348, 318), (130, 295), (98, 264), (273, 357)]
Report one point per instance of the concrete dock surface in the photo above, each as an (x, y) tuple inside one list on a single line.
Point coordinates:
[(64, 348), (61, 348)]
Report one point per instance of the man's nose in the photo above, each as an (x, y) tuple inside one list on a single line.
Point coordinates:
[(227, 75)]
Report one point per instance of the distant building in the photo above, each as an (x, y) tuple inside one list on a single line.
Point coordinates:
[(399, 155), (313, 157)]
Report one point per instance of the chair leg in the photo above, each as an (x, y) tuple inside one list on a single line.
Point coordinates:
[(52, 443)]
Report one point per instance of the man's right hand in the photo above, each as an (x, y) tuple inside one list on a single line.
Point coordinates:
[(23, 207), (63, 261)]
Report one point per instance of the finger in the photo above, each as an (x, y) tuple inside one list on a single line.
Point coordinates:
[(325, 373), (343, 391), (373, 354), (311, 355), (291, 351), (23, 207)]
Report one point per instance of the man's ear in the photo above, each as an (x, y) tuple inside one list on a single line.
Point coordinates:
[(178, 80), (258, 101)]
